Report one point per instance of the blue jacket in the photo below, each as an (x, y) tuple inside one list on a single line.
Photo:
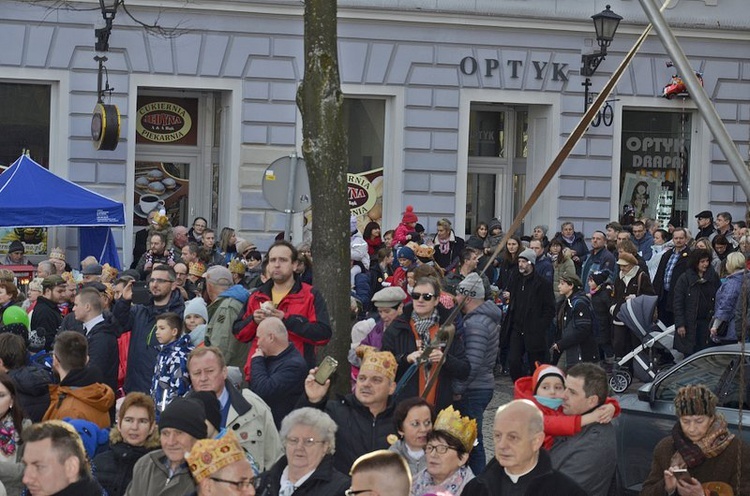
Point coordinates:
[(481, 335), (545, 267), (601, 260), (170, 378), (140, 320), (279, 380), (644, 245), (727, 306)]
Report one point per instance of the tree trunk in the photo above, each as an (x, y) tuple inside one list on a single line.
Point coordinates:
[(324, 147)]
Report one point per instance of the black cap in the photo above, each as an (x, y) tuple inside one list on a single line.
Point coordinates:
[(706, 214), (16, 246), (187, 415)]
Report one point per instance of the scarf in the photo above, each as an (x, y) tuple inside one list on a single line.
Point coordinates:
[(445, 245), (453, 485), (423, 324), (691, 454), (8, 435)]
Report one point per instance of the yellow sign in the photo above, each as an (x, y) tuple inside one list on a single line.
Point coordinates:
[(163, 122)]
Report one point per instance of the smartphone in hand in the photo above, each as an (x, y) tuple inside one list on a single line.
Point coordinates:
[(326, 369)]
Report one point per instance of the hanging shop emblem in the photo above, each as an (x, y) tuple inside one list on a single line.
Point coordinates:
[(163, 122), (361, 194)]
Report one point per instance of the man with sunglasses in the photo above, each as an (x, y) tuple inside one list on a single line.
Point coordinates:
[(141, 319)]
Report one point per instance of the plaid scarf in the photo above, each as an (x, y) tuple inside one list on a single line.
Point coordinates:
[(692, 454), (423, 324)]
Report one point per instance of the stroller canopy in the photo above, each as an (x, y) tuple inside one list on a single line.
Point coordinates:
[(638, 314)]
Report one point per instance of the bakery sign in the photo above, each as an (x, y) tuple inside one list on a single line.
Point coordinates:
[(361, 194), (167, 120)]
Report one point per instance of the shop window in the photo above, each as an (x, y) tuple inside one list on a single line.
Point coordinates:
[(25, 121), (487, 134), (655, 166)]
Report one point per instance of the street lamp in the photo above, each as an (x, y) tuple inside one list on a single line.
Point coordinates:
[(105, 123), (605, 23)]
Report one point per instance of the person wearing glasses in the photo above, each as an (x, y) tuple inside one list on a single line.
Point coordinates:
[(195, 233), (219, 466), (309, 438), (380, 472), (447, 450), (413, 421), (414, 339)]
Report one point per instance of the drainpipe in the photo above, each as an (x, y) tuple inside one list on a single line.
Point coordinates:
[(698, 94)]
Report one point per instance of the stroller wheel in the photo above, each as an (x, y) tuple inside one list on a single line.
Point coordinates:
[(626, 375), (619, 382)]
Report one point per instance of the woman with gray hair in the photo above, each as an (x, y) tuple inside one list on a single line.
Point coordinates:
[(309, 437)]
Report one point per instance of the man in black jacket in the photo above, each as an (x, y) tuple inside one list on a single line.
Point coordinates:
[(672, 265), (530, 313), (520, 465), (100, 333), (365, 418), (46, 318)]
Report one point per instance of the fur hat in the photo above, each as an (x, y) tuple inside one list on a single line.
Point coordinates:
[(543, 371), (409, 215), (529, 255), (695, 400)]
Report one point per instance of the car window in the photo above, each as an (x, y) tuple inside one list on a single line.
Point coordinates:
[(712, 370), (729, 397)]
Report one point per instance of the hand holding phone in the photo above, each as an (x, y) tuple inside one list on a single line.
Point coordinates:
[(325, 370), (681, 474)]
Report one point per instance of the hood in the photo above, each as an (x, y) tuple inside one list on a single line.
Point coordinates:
[(488, 309), (522, 388), (238, 292), (31, 380), (181, 343), (97, 396)]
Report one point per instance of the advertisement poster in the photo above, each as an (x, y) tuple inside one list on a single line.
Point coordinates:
[(161, 184), (167, 121), (34, 239), (641, 193)]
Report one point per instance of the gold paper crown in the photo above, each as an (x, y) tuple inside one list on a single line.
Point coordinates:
[(208, 456), (236, 266), (382, 362), (109, 273), (197, 269), (57, 253), (462, 428)]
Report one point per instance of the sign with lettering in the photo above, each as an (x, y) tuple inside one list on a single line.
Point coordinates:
[(470, 66), (170, 121), (361, 194)]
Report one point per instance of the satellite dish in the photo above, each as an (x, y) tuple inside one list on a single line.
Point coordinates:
[(286, 186)]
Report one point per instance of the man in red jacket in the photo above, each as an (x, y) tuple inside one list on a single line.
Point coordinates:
[(301, 307)]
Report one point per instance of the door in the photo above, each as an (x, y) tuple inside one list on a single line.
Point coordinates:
[(171, 182)]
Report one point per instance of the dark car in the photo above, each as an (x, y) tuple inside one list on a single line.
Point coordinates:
[(649, 416)]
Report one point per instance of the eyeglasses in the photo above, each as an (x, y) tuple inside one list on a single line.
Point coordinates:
[(308, 442), (425, 296), (416, 423), (241, 484), (440, 448), (158, 280), (352, 492)]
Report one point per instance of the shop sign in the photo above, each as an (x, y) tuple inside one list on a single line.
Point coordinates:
[(361, 194), (654, 152), (469, 66), (166, 121)]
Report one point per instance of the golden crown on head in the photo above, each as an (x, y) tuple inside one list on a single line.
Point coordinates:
[(208, 456), (236, 266), (382, 362), (462, 428), (57, 253), (109, 273), (197, 269)]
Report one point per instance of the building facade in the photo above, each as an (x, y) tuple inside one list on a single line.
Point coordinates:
[(456, 108)]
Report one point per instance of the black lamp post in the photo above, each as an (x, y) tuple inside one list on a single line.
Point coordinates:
[(605, 23), (105, 123)]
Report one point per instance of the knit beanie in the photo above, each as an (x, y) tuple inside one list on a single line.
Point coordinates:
[(494, 224), (543, 371), (600, 276), (406, 252), (409, 215), (196, 306), (529, 255), (187, 415), (695, 400), (15, 246)]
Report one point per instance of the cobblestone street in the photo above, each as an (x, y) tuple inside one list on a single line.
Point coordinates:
[(503, 394)]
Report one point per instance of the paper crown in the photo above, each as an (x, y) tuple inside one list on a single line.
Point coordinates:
[(197, 269), (236, 266), (208, 456), (109, 273), (382, 362), (462, 428), (57, 253)]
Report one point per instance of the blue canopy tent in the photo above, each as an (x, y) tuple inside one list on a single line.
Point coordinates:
[(32, 196)]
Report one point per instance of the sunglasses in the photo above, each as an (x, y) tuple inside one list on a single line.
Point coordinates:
[(425, 296)]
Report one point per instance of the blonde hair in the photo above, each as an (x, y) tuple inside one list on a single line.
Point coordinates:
[(735, 262)]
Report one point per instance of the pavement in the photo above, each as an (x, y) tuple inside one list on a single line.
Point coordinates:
[(503, 394)]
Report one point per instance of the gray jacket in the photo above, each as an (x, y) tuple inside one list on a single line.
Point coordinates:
[(589, 457), (150, 477), (415, 465), (481, 336)]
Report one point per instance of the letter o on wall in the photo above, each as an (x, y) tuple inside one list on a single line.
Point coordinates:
[(469, 65)]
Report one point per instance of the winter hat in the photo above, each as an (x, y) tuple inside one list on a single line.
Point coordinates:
[(18, 329), (529, 255), (211, 405), (600, 276), (471, 287), (36, 341), (627, 259), (16, 246), (187, 415), (352, 224), (406, 252), (92, 270), (543, 371), (695, 400), (494, 224), (196, 306), (572, 279), (418, 228), (409, 215), (94, 437)]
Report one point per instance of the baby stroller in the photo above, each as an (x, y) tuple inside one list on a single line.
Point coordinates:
[(656, 348)]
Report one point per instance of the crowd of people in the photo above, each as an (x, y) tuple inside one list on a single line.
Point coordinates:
[(196, 371)]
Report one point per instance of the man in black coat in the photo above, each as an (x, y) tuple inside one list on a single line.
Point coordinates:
[(672, 265), (520, 465), (46, 318), (100, 334), (530, 313)]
